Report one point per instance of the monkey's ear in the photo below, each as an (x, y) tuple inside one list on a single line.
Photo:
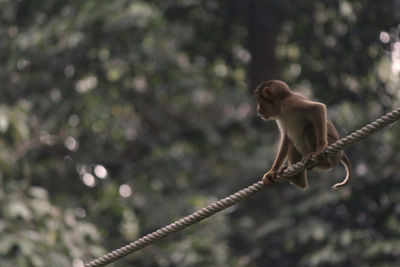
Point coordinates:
[(266, 93)]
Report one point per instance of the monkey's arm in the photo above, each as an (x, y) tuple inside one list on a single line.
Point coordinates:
[(279, 160), (282, 153)]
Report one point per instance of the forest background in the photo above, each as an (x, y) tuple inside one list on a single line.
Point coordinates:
[(118, 117)]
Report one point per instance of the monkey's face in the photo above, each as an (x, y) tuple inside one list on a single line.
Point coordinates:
[(269, 96), (266, 106), (265, 111)]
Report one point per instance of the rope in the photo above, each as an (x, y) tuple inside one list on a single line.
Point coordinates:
[(242, 194)]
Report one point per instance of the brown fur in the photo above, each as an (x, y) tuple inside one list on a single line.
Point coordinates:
[(305, 130)]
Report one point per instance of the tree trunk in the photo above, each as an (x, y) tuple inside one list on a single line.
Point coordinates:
[(262, 31)]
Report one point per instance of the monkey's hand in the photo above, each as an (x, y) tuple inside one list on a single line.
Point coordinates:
[(269, 177), (306, 157), (319, 154)]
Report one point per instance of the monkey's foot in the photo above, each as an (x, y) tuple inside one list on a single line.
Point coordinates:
[(320, 155), (268, 178), (306, 157)]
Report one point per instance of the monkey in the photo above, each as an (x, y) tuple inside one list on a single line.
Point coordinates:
[(305, 131)]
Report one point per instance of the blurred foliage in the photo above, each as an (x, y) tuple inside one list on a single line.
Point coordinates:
[(117, 117)]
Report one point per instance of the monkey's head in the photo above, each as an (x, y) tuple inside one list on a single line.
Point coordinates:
[(269, 96)]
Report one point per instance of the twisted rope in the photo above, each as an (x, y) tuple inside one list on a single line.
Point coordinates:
[(242, 194)]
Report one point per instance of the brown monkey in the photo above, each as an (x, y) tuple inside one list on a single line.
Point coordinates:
[(305, 130)]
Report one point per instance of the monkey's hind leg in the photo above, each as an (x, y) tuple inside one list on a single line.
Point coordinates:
[(300, 179)]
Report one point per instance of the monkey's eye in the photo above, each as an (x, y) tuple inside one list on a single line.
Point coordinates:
[(265, 102), (257, 95)]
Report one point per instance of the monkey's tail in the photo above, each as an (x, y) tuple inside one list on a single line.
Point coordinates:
[(349, 171)]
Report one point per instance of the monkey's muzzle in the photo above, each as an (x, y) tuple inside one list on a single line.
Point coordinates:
[(260, 110)]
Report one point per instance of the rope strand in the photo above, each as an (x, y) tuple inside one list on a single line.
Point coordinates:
[(242, 194)]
